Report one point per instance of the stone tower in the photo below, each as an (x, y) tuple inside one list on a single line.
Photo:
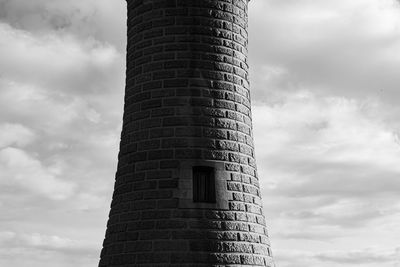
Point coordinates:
[(186, 190)]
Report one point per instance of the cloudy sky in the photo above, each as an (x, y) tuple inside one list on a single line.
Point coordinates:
[(325, 88)]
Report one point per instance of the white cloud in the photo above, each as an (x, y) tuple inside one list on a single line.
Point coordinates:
[(329, 173), (370, 257), (45, 250), (365, 257), (54, 242), (12, 239), (6, 237), (328, 144), (22, 170), (96, 18), (71, 64), (15, 134), (343, 48), (61, 99)]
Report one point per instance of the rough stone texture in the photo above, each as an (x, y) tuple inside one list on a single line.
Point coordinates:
[(187, 103)]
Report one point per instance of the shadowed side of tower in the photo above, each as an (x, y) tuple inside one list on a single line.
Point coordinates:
[(186, 190)]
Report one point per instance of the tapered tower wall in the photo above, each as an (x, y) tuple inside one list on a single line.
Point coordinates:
[(187, 106)]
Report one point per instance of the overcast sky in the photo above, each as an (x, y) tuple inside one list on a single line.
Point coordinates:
[(325, 78)]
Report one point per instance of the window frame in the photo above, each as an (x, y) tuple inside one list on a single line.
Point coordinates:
[(203, 184)]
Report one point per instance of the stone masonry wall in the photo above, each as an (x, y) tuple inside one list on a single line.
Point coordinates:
[(187, 103)]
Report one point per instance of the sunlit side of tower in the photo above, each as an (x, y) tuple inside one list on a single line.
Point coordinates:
[(186, 190)]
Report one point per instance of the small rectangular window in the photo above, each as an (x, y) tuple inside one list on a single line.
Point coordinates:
[(203, 184)]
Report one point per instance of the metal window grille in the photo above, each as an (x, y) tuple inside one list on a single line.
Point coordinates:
[(203, 184)]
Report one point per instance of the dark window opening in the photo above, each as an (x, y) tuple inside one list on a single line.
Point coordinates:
[(203, 184)]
